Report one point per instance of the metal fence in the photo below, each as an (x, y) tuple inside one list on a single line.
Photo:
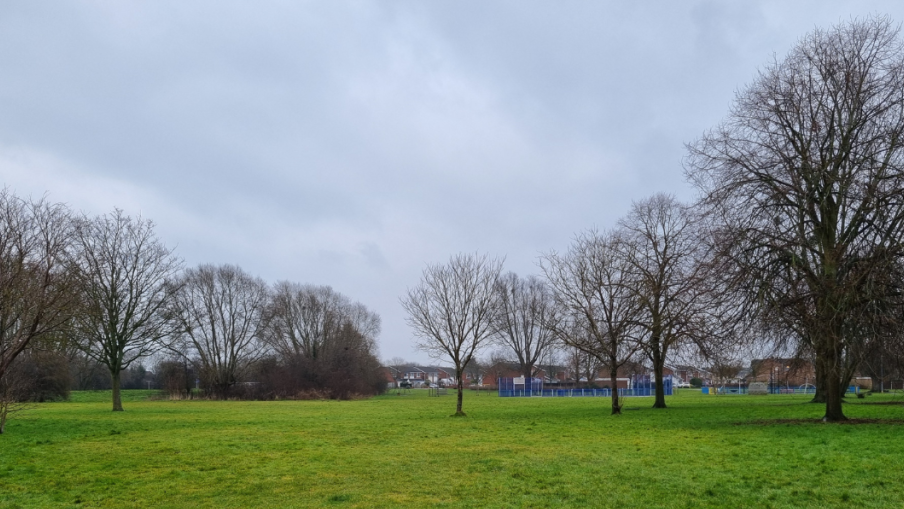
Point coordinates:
[(533, 387), (776, 389), (576, 393)]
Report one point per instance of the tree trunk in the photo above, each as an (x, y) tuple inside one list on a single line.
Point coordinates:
[(833, 385), (613, 377), (658, 362), (834, 398), (4, 409), (820, 395), (461, 390), (846, 382), (117, 397)]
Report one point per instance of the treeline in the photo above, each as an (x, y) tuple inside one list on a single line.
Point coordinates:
[(78, 292)]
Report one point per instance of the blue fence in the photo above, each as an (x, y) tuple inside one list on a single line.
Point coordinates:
[(645, 385), (525, 386), (533, 387), (802, 389)]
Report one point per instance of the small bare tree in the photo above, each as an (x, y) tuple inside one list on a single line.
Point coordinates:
[(216, 313), (678, 310), (452, 310), (725, 369), (582, 366), (124, 272), (526, 320), (594, 290)]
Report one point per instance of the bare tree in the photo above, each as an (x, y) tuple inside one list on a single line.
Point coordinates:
[(452, 310), (724, 369), (600, 310), (583, 366), (807, 176), (302, 319), (216, 313), (667, 277), (884, 362), (366, 322), (37, 290), (526, 319), (323, 338), (124, 273)]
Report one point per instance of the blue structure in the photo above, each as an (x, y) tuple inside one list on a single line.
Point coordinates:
[(521, 386), (644, 385), (641, 385)]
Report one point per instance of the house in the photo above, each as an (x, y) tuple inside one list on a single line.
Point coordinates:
[(686, 372), (503, 369), (388, 376), (782, 371), (624, 375), (419, 376), (551, 374)]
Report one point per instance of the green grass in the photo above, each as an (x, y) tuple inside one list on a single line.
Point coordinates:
[(405, 451)]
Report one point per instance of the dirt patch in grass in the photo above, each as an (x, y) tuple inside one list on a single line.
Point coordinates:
[(769, 422)]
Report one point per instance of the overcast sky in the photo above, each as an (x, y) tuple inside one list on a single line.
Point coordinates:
[(351, 143)]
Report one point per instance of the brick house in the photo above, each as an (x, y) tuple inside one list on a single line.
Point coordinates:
[(509, 369), (686, 372), (624, 375), (790, 372)]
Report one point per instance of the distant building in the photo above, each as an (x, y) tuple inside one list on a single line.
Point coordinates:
[(419, 376), (782, 371)]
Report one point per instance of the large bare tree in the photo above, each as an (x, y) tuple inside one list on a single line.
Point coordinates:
[(124, 271), (526, 320), (807, 176), (304, 320), (216, 313), (37, 290), (452, 310), (595, 290)]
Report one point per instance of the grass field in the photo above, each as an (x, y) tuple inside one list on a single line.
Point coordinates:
[(405, 451)]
